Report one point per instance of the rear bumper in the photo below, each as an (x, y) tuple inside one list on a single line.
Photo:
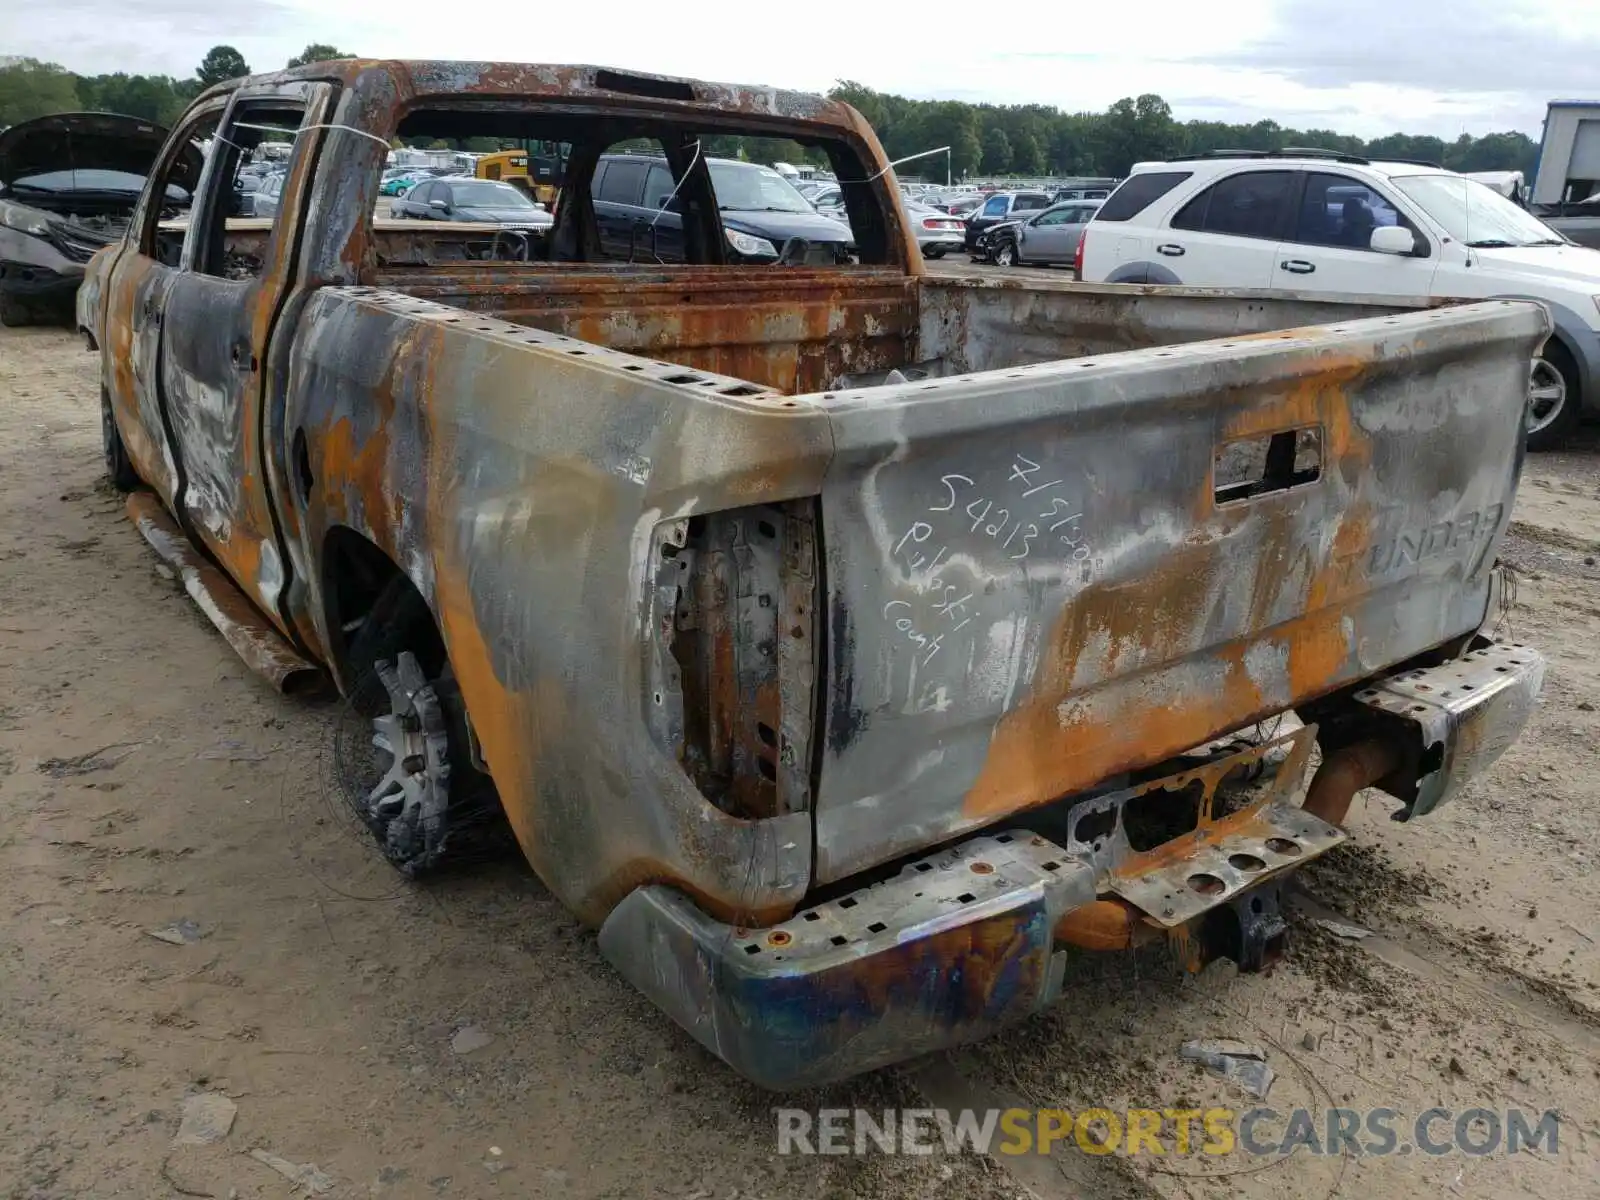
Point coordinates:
[(955, 947), (974, 937), (1454, 720)]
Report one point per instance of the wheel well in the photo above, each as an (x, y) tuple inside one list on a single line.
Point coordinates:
[(1558, 342), (363, 589)]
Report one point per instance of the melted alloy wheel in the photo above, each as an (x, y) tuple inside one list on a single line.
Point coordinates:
[(407, 810)]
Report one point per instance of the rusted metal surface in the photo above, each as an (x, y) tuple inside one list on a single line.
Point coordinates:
[(730, 625), (520, 82), (521, 478), (216, 595), (1173, 848), (995, 324), (1105, 926), (733, 668), (1031, 571), (1451, 720), (1345, 772), (953, 947), (793, 330)]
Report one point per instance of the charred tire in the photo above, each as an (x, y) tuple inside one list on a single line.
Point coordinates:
[(400, 623), (119, 469), (14, 312), (1005, 254), (1555, 404)]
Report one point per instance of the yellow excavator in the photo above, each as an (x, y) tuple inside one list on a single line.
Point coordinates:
[(542, 182)]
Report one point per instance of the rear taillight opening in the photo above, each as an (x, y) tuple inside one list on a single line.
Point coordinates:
[(1077, 255), (732, 654)]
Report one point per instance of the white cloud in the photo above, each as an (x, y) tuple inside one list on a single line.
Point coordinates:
[(1361, 66)]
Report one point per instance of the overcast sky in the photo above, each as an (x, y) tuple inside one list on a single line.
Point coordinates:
[(1360, 66)]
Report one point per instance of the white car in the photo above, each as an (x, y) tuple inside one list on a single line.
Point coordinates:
[(1314, 222), (938, 233)]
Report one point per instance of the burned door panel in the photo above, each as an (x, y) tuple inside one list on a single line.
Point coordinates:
[(139, 288), (210, 375), (220, 315), (1034, 583)]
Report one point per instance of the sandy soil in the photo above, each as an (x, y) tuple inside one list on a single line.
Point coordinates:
[(147, 780)]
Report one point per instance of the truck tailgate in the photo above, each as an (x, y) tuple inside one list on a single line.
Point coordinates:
[(1038, 579)]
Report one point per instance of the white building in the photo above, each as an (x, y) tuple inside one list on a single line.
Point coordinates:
[(1569, 155)]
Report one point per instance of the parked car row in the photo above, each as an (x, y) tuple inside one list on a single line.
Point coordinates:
[(483, 201), (396, 181)]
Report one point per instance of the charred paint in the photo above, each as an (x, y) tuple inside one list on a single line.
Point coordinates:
[(1169, 616), (512, 435)]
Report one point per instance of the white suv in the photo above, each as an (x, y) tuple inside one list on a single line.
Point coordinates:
[(1311, 222)]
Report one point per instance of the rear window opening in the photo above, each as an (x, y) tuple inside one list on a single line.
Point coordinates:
[(610, 188), (1139, 192)]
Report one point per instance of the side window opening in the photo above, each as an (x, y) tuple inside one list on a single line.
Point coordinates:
[(1341, 211), (259, 137), (659, 186), (169, 202), (1138, 192), (638, 216), (642, 189), (623, 179)]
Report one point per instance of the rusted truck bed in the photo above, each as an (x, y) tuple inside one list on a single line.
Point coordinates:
[(809, 330)]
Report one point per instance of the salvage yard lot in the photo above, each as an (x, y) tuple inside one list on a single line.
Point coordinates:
[(466, 1039)]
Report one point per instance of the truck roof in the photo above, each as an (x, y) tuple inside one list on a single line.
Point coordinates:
[(434, 78)]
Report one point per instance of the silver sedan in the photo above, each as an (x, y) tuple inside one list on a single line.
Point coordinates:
[(1050, 236)]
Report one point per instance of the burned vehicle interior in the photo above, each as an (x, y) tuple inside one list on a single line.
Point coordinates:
[(670, 286), (673, 290)]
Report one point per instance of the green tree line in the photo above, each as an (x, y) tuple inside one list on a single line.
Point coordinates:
[(30, 88), (986, 140), (1034, 139)]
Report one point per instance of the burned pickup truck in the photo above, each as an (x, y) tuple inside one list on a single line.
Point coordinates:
[(850, 647)]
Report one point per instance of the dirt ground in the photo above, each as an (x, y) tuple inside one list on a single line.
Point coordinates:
[(147, 781)]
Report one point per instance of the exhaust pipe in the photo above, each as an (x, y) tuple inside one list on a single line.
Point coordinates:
[(1344, 773)]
